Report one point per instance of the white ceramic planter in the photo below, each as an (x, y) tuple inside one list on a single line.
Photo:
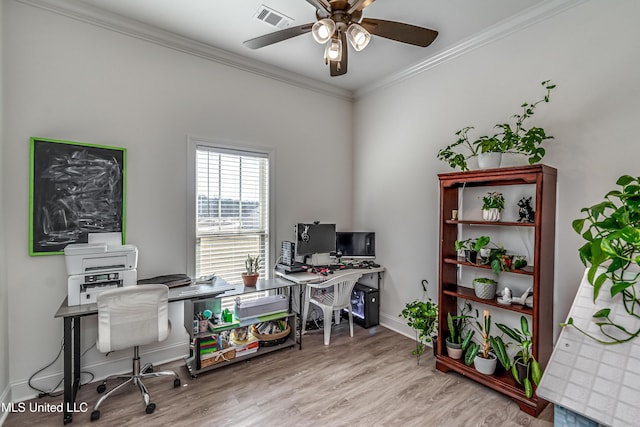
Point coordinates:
[(485, 290), (491, 214), (489, 160), (454, 351), (486, 366)]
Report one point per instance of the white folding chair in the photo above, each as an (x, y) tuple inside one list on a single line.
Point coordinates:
[(331, 296)]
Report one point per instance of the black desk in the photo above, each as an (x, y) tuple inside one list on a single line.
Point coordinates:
[(72, 316)]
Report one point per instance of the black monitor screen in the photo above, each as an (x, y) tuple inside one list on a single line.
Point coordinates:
[(315, 239), (356, 244)]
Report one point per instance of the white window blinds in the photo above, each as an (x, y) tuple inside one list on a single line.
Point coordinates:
[(232, 211)]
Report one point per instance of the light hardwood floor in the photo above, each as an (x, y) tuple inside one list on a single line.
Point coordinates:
[(368, 380)]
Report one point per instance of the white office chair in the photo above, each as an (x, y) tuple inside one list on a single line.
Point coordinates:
[(331, 296), (130, 317)]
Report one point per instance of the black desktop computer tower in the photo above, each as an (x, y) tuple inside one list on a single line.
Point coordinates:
[(365, 303)]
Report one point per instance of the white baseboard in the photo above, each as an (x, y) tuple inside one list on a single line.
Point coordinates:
[(21, 391), (397, 325)]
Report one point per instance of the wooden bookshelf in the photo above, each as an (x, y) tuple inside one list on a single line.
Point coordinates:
[(543, 179)]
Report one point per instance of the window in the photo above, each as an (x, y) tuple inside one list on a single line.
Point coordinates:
[(231, 211)]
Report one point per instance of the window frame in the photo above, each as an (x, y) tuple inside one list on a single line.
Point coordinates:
[(232, 147)]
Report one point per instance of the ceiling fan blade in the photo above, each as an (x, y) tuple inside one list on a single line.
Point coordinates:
[(358, 5), (398, 31), (278, 36), (338, 68), (321, 5)]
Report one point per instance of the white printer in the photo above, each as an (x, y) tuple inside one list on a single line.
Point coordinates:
[(96, 267)]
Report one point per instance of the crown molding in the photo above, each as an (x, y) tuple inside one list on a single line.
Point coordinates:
[(513, 24), (130, 27)]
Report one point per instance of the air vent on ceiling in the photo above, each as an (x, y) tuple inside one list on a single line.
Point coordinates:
[(273, 17)]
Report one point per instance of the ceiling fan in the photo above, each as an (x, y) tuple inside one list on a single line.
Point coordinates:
[(341, 20)]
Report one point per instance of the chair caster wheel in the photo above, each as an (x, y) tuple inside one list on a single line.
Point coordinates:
[(101, 389), (176, 383), (150, 408), (149, 369), (95, 415)]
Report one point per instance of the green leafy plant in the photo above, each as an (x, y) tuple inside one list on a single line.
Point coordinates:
[(485, 280), (472, 244), (502, 262), (524, 356), (612, 252), (456, 325), (493, 200), (497, 259), (252, 264), (514, 139), (486, 343), (422, 317)]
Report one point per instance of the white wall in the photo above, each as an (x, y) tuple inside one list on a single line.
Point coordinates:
[(73, 81), (590, 51), (5, 395)]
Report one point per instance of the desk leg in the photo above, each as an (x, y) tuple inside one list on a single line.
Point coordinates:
[(76, 357), (300, 316), (71, 365), (68, 375)]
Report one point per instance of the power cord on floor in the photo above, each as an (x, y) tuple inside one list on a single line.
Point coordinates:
[(43, 393)]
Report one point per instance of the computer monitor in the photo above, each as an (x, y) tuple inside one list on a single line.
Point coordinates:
[(356, 244), (315, 238)]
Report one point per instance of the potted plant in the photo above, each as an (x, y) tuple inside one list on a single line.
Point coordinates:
[(252, 266), (612, 253), (485, 354), (471, 247), (485, 287), (514, 140), (492, 206), (525, 367), (496, 256), (455, 343), (422, 316)]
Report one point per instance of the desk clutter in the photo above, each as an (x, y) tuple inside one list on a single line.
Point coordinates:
[(261, 306), (224, 346), (170, 280), (223, 335), (325, 270)]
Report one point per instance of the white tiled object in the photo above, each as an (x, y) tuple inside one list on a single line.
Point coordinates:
[(601, 382)]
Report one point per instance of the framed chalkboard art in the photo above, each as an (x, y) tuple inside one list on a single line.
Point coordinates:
[(75, 189)]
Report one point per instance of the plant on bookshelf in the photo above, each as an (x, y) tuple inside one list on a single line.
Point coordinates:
[(485, 287), (516, 139), (492, 206), (525, 367), (485, 354), (471, 247), (455, 343)]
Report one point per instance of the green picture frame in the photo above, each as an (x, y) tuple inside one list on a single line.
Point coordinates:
[(75, 188)]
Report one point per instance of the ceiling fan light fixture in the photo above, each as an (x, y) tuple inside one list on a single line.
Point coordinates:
[(323, 30), (358, 36), (333, 51)]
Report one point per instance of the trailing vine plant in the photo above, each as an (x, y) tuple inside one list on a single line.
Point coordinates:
[(612, 252), (422, 317)]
